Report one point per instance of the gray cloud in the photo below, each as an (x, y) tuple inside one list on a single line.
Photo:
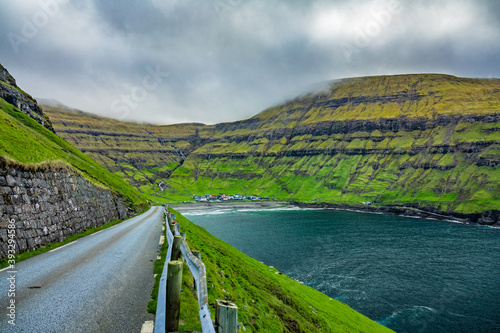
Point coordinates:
[(230, 59)]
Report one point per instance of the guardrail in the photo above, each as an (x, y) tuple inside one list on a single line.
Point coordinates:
[(198, 271)]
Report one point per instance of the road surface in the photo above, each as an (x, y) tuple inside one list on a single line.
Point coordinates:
[(99, 283)]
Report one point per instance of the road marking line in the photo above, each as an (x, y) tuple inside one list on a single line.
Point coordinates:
[(95, 233), (148, 327), (60, 247), (3, 269)]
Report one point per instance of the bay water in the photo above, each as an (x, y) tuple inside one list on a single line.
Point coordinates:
[(411, 275)]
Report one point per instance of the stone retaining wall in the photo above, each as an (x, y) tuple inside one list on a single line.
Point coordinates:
[(51, 204)]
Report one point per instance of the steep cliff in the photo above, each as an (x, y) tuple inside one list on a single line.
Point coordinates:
[(143, 154), (48, 188), (12, 94), (400, 143)]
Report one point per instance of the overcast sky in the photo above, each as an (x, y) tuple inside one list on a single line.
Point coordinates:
[(169, 61)]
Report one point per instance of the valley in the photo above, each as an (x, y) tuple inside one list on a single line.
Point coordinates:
[(403, 143)]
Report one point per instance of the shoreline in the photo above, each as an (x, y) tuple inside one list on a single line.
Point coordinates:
[(232, 205), (413, 212), (410, 212)]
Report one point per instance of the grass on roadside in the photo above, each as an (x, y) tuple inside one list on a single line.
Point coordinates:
[(158, 269), (189, 319), (48, 247), (25, 141), (267, 300)]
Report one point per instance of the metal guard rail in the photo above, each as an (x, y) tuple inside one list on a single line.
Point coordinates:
[(198, 271)]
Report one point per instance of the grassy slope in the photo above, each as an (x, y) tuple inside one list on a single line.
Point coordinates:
[(439, 94), (24, 140), (349, 179), (267, 302), (139, 153), (386, 167), (355, 167)]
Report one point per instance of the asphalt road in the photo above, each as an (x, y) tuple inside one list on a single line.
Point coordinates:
[(99, 283)]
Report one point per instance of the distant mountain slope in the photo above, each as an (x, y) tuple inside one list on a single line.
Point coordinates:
[(142, 154), (381, 102), (404, 142)]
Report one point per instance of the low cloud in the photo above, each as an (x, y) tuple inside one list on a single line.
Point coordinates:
[(225, 60)]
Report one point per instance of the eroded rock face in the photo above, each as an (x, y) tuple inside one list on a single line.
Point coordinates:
[(49, 205), (6, 77), (352, 126), (11, 93), (491, 218)]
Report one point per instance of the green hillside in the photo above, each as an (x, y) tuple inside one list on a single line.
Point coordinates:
[(25, 140), (423, 141), (267, 300), (142, 154)]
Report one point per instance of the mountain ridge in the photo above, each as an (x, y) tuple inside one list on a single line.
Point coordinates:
[(423, 141), (29, 141), (15, 96)]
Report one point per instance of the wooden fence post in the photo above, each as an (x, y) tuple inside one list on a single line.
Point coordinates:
[(173, 307), (176, 248), (226, 317), (172, 228)]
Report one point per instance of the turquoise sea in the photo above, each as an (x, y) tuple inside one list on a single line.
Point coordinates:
[(411, 275)]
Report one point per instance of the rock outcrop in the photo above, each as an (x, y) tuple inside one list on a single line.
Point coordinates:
[(13, 95)]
